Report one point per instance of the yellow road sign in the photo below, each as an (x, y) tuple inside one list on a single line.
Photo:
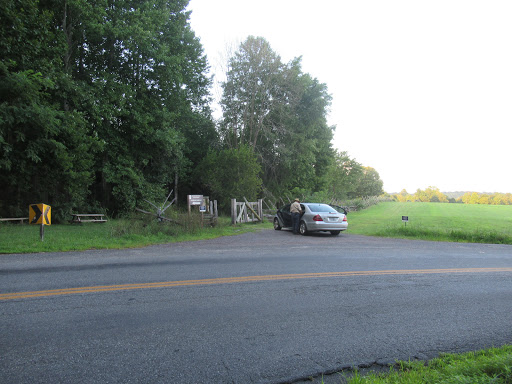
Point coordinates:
[(40, 214)]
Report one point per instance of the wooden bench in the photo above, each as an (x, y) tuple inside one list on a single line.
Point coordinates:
[(79, 218), (20, 219)]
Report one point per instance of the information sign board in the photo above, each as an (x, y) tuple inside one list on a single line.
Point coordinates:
[(195, 199)]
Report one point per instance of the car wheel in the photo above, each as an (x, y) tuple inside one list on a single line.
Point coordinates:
[(335, 233), (277, 227), (303, 229)]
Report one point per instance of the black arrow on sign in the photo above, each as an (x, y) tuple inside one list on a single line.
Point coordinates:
[(38, 213), (46, 219)]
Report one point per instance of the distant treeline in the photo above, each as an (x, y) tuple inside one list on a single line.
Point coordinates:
[(432, 194)]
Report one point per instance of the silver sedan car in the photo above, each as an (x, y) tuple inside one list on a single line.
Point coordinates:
[(315, 217)]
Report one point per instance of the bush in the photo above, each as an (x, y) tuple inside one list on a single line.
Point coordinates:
[(231, 173)]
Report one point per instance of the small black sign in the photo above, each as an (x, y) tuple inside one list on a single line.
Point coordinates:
[(405, 218)]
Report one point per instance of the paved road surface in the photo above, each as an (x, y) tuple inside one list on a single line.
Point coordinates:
[(264, 307)]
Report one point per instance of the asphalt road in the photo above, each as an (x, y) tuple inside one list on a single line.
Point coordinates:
[(266, 307)]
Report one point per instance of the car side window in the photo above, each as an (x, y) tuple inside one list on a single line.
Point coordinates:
[(286, 209)]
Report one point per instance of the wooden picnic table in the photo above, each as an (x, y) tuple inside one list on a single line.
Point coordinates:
[(79, 218), (20, 219)]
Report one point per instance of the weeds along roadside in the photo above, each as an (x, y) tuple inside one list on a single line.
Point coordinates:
[(493, 365), (485, 237), (132, 232)]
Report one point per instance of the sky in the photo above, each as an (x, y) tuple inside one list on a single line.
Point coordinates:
[(422, 90)]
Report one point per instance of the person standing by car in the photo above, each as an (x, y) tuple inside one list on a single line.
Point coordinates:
[(295, 211)]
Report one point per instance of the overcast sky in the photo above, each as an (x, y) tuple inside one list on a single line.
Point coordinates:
[(422, 90)]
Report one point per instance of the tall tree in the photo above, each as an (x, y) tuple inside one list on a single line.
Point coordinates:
[(342, 179), (231, 173), (149, 69), (370, 183), (110, 95), (308, 136), (280, 112), (249, 93), (45, 152)]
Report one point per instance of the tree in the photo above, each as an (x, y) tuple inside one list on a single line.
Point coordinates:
[(466, 197), (342, 179), (46, 154), (484, 199), (100, 101), (498, 199), (431, 194), (280, 112), (474, 199), (435, 195), (307, 142), (370, 183), (402, 196), (250, 94), (147, 70), (231, 173)]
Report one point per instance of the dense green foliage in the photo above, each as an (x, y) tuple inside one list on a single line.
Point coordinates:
[(106, 103), (280, 112), (102, 103), (231, 172), (347, 179)]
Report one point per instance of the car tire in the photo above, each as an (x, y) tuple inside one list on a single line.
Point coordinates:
[(303, 229), (277, 227), (335, 233)]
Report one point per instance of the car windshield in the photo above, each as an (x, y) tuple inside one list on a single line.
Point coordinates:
[(321, 208)]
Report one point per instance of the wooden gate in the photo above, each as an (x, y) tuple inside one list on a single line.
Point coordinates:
[(246, 212)]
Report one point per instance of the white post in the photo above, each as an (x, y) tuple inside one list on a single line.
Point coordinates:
[(233, 211)]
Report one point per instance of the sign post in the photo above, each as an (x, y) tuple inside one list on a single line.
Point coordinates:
[(405, 219), (194, 200), (40, 214)]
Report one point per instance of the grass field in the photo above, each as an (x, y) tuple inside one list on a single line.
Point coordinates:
[(436, 221), (121, 233), (427, 221)]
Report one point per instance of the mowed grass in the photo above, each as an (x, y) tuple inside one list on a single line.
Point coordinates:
[(436, 221), (114, 234), (490, 366), (427, 221)]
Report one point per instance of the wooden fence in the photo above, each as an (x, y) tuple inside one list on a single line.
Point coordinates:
[(212, 213), (246, 212)]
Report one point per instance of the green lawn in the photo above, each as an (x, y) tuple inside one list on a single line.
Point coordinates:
[(436, 221), (427, 221), (490, 366), (121, 233)]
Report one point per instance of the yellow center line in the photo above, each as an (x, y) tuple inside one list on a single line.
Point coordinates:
[(241, 279)]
